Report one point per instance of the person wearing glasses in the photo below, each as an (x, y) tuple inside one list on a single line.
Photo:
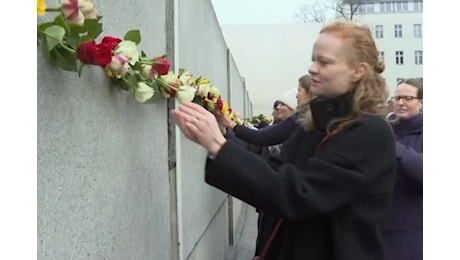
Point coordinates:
[(403, 233)]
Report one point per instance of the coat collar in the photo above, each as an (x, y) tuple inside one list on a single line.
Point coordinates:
[(409, 126), (325, 110)]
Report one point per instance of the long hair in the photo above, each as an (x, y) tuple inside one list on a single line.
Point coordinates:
[(371, 91)]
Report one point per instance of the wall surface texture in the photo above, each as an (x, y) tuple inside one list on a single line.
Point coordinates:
[(116, 179)]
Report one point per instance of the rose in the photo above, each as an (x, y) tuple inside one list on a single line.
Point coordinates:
[(220, 104), (77, 10), (186, 78), (129, 50), (118, 67), (185, 94), (146, 71), (143, 92), (110, 42), (95, 54), (41, 7), (203, 90), (213, 93), (161, 66), (169, 84)]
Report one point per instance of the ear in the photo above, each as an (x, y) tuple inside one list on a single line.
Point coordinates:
[(359, 72)]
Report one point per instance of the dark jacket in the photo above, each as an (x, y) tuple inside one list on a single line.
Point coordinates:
[(272, 136), (269, 135), (332, 203), (403, 232), (257, 149)]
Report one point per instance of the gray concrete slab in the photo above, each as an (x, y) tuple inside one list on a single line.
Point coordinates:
[(246, 244)]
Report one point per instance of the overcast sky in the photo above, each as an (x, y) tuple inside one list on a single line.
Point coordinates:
[(231, 12)]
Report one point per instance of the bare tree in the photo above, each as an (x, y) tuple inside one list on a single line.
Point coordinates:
[(347, 9), (312, 12), (316, 11)]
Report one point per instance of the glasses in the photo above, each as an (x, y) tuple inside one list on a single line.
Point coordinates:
[(405, 98)]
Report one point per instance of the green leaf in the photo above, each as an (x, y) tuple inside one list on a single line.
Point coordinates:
[(138, 66), (94, 29), (64, 59), (133, 35), (61, 21), (198, 100), (44, 48), (90, 30), (42, 27), (131, 80), (54, 36)]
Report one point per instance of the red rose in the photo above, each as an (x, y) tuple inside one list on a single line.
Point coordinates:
[(161, 66), (220, 104), (110, 42), (94, 54)]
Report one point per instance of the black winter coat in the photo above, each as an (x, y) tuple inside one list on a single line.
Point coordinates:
[(332, 203)]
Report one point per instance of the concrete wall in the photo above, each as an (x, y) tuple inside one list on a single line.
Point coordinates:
[(103, 189), (203, 210), (116, 178)]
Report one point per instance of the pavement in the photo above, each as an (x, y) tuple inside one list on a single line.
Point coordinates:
[(245, 245)]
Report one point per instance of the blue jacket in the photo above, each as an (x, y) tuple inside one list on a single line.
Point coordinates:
[(270, 135), (403, 233)]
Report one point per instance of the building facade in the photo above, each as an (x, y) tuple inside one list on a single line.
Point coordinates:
[(272, 57), (398, 30)]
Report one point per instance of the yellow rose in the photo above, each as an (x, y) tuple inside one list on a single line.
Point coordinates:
[(41, 7)]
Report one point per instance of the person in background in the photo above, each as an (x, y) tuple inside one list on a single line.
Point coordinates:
[(272, 136), (403, 233), (331, 186), (278, 133), (275, 112)]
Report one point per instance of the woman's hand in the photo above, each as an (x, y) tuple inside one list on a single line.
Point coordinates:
[(225, 121), (200, 126)]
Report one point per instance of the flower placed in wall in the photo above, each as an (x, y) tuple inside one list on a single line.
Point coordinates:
[(128, 49), (70, 42), (160, 66), (76, 11), (143, 92), (41, 7)]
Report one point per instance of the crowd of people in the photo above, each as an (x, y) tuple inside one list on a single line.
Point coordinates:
[(334, 176)]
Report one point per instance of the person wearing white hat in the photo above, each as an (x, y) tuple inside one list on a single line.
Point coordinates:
[(288, 104)]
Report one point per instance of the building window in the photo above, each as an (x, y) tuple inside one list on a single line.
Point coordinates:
[(418, 6), (398, 30), (386, 7), (370, 7), (382, 55), (400, 57), (417, 30), (366, 8), (418, 57), (379, 31), (401, 6)]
